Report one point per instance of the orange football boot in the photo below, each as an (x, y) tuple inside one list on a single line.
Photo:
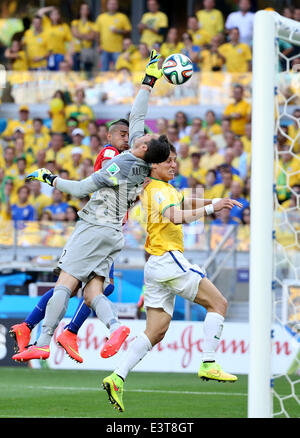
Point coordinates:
[(115, 341), (21, 334), (68, 341), (32, 352)]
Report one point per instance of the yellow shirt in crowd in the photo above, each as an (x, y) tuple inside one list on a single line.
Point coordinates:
[(84, 28), (243, 108), (201, 37), (211, 21), (163, 235), (155, 21), (57, 36), (36, 47), (168, 49), (110, 41), (210, 60), (13, 124), (237, 57)]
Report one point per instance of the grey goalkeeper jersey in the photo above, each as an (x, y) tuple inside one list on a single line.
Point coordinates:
[(116, 186)]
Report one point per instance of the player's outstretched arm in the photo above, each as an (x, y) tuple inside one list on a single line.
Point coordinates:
[(140, 105), (179, 216), (79, 189)]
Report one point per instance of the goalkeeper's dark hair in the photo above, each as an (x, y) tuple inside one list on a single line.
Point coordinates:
[(158, 150)]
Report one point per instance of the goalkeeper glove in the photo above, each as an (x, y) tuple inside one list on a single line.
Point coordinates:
[(42, 175), (152, 71)]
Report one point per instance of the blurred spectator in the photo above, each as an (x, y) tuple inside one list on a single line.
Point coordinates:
[(200, 36), (80, 110), (57, 152), (74, 162), (184, 159), (153, 25), (179, 181), (162, 126), (126, 57), (198, 172), (37, 199), (6, 197), (246, 216), (71, 214), (241, 159), (224, 218), (237, 55), (211, 127), (87, 167), (236, 193), (9, 164), (172, 43), (102, 133), (181, 123), (19, 179), (57, 208), (173, 136), (39, 139), (210, 181), (222, 190), (210, 19), (36, 45), (296, 15), (84, 33), (92, 129), (227, 164), (247, 188), (112, 26), (40, 160), (140, 60), (201, 140), (287, 174), (220, 139), (16, 57), (243, 20), (72, 123), (210, 58), (57, 112), (294, 131), (77, 139), (288, 12), (211, 159), (194, 131), (191, 50), (247, 138), (58, 36), (23, 121), (239, 111), (293, 201), (46, 216), (22, 210)]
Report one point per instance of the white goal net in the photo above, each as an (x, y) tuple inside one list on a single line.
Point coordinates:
[(275, 210)]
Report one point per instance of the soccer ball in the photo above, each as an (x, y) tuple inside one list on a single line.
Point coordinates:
[(177, 68)]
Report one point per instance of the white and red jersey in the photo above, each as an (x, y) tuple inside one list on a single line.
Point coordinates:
[(107, 153)]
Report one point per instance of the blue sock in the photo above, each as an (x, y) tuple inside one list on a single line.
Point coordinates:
[(109, 289), (81, 314), (38, 312)]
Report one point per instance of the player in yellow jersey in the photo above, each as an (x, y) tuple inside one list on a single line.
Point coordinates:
[(168, 273)]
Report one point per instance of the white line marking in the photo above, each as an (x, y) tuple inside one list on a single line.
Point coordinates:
[(158, 391)]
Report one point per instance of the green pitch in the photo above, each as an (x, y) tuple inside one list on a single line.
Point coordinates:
[(44, 393)]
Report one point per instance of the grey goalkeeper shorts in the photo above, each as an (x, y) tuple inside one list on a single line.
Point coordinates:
[(90, 251)]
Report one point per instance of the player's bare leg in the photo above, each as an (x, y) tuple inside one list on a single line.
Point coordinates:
[(94, 298)]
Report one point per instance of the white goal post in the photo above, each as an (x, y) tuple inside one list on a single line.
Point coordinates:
[(268, 28)]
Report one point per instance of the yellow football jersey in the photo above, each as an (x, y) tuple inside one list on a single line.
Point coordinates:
[(110, 41), (163, 235), (84, 28), (154, 21), (237, 57), (36, 47), (211, 21)]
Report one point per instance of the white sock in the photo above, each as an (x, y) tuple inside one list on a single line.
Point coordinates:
[(212, 328), (104, 310), (135, 353)]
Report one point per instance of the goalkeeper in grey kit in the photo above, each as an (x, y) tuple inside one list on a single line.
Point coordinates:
[(97, 238)]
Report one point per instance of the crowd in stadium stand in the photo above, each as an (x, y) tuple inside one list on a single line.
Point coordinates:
[(213, 154)]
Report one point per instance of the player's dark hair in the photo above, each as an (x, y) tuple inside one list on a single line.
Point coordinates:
[(158, 150), (119, 122)]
